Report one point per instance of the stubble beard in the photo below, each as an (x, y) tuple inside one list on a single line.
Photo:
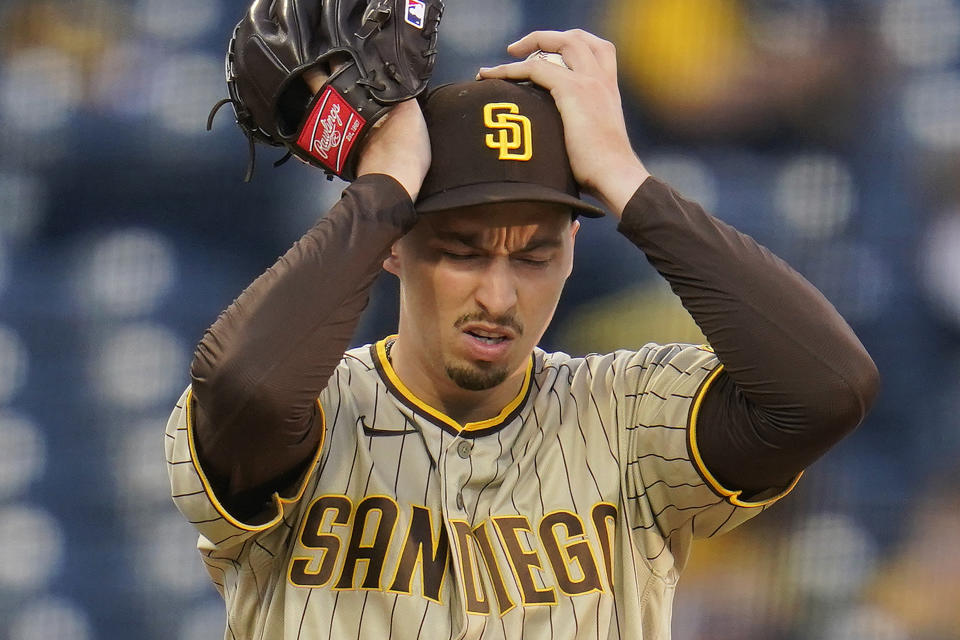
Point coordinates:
[(480, 376), (476, 378)]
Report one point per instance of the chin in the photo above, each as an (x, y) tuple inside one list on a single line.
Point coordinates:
[(477, 378)]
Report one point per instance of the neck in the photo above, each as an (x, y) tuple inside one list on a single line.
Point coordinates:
[(431, 385)]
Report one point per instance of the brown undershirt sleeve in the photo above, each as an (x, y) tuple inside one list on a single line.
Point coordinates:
[(796, 379), (258, 371)]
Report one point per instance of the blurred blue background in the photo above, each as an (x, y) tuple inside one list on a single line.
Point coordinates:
[(827, 129)]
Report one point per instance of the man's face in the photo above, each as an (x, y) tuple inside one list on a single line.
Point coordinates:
[(479, 286)]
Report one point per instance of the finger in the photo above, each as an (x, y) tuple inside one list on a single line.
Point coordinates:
[(604, 50), (574, 45), (575, 50), (314, 78), (533, 41), (546, 74)]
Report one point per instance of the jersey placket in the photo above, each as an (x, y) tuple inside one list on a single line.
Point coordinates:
[(455, 469)]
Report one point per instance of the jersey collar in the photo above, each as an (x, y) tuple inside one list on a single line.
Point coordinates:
[(393, 383)]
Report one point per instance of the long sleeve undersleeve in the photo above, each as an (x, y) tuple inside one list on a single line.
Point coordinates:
[(259, 369), (796, 379)]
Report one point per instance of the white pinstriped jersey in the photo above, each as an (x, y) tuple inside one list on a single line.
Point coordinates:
[(569, 515)]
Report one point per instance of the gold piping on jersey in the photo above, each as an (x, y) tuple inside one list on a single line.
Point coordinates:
[(472, 586), (278, 500), (524, 562), (442, 420), (574, 551), (373, 554), (482, 539), (420, 547), (551, 556), (601, 513), (733, 497), (307, 571)]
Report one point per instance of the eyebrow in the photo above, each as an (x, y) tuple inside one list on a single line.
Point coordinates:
[(473, 241)]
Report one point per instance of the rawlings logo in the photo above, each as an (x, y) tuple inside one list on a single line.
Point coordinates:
[(514, 137), (330, 131), (416, 12), (332, 126)]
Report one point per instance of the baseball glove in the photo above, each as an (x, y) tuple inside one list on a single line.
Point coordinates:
[(375, 54)]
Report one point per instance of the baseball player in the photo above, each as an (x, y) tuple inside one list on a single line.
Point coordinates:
[(454, 480)]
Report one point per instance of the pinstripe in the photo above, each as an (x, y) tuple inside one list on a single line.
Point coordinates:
[(596, 407), (566, 472), (658, 553), (303, 615), (396, 477), (257, 589), (393, 610), (546, 456), (573, 499), (186, 495), (350, 475), (492, 478), (360, 617), (336, 600), (543, 508), (584, 437), (720, 526), (353, 465), (366, 485), (426, 493), (423, 619), (366, 490), (269, 552), (513, 501)]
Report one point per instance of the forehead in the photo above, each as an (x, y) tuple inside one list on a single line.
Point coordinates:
[(527, 218)]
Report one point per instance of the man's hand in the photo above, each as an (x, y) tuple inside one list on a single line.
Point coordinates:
[(399, 145), (588, 99)]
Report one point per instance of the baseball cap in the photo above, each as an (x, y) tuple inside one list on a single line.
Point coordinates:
[(496, 141)]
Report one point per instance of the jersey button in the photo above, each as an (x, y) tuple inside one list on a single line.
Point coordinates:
[(464, 449), (460, 501)]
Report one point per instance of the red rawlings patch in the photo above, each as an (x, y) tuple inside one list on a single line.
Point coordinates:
[(331, 130)]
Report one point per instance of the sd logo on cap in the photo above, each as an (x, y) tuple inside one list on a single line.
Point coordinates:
[(496, 141), (515, 131)]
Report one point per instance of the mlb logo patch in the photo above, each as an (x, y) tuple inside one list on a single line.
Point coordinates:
[(416, 13)]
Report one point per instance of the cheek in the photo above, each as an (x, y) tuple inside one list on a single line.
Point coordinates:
[(434, 292), (541, 296)]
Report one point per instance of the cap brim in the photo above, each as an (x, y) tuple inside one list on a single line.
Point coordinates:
[(496, 192)]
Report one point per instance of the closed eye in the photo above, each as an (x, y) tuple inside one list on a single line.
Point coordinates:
[(455, 255), (534, 260)]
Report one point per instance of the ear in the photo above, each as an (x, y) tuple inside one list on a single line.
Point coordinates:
[(392, 263)]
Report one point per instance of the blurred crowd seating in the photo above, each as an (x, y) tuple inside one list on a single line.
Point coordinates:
[(827, 129)]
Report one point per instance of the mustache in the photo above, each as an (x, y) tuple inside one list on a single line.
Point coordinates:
[(506, 320)]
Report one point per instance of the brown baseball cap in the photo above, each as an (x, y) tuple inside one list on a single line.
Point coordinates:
[(496, 141)]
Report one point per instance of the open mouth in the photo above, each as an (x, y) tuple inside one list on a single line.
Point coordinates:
[(487, 338)]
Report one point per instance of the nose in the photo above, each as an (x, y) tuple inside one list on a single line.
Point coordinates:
[(496, 290)]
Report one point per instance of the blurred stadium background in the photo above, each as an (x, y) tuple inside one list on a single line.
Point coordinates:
[(828, 129)]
